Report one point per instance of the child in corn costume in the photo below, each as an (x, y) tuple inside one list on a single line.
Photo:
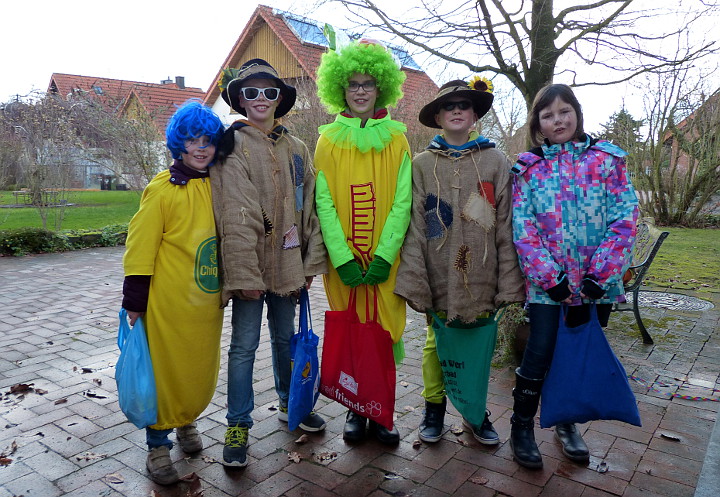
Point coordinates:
[(171, 280), (363, 190), (459, 264)]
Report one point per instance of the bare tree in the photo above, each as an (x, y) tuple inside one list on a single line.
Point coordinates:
[(676, 168), (528, 40)]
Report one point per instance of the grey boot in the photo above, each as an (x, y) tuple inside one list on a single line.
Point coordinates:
[(522, 431)]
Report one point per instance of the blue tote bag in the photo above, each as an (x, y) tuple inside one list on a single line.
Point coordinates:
[(134, 375), (586, 381), (305, 378)]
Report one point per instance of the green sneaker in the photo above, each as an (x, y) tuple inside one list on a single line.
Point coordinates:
[(235, 450)]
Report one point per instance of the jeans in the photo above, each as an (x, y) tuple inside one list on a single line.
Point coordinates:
[(158, 438), (246, 321), (544, 321)]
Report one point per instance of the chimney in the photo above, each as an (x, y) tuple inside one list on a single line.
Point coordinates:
[(180, 81)]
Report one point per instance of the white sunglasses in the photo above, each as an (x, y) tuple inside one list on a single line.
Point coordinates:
[(252, 93)]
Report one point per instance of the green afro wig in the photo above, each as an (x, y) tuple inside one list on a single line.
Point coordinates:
[(336, 68)]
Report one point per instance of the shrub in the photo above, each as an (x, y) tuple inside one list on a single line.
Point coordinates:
[(24, 241)]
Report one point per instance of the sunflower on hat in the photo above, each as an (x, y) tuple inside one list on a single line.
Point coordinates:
[(479, 83), (478, 90)]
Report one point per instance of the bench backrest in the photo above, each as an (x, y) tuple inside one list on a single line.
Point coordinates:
[(647, 244)]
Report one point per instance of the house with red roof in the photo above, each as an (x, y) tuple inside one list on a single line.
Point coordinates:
[(136, 100), (293, 45)]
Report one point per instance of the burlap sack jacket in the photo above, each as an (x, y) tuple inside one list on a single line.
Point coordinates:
[(264, 205)]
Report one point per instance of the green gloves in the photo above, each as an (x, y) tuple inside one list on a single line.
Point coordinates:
[(377, 272), (350, 274)]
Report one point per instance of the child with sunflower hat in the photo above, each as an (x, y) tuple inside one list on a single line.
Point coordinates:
[(458, 259)]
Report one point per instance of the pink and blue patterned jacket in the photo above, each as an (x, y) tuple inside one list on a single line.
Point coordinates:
[(574, 210)]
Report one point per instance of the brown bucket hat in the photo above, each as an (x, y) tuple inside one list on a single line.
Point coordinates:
[(478, 91), (255, 69)]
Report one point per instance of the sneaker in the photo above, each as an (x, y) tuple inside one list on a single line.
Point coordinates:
[(235, 450), (313, 422), (189, 438), (431, 426), (485, 433), (160, 467)]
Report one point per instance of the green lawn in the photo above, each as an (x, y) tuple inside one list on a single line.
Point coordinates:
[(85, 210), (689, 259)]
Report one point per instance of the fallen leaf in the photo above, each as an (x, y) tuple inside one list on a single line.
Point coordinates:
[(416, 444), (479, 480), (409, 408), (60, 401), (392, 476), (87, 370), (602, 467), (272, 408), (462, 442), (5, 461), (40, 391), (114, 478), (456, 430), (21, 388), (9, 450), (90, 456), (303, 438), (209, 459), (294, 457), (195, 487), (97, 381), (669, 436), (403, 383)]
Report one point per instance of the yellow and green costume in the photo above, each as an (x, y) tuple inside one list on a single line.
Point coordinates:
[(363, 200), (172, 238)]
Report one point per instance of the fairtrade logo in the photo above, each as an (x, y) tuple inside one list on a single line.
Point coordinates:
[(206, 266)]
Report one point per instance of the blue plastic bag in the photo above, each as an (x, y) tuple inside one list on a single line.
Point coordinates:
[(305, 379), (134, 374), (586, 381)]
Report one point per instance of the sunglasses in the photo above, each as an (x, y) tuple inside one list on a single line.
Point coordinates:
[(451, 106), (251, 93)]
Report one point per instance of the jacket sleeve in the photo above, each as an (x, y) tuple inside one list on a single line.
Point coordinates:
[(536, 261), (314, 252), (612, 257), (510, 279), (239, 221), (412, 282), (332, 231), (398, 220)]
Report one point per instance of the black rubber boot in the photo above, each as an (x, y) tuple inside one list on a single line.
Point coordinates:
[(573, 445), (522, 431), (431, 427)]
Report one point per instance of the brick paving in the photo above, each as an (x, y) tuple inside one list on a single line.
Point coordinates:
[(58, 322)]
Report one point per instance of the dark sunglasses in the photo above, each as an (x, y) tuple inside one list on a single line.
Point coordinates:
[(251, 93), (450, 106)]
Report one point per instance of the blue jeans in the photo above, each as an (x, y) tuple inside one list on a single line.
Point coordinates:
[(544, 321), (246, 321), (158, 438)]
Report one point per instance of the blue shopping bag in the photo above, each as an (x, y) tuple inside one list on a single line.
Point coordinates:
[(134, 375), (586, 381), (305, 378)]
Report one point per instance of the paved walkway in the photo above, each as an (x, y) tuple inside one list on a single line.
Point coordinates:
[(58, 321)]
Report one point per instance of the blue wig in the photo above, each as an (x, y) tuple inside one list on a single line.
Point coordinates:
[(192, 120)]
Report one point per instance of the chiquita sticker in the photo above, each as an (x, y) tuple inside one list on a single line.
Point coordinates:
[(206, 266)]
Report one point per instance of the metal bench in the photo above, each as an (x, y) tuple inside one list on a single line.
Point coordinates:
[(647, 244)]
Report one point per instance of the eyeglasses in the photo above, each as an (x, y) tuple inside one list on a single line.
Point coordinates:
[(451, 106), (354, 86), (251, 93)]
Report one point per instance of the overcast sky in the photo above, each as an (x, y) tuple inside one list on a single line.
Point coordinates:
[(151, 40)]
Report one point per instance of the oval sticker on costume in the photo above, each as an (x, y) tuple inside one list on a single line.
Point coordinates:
[(206, 266)]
